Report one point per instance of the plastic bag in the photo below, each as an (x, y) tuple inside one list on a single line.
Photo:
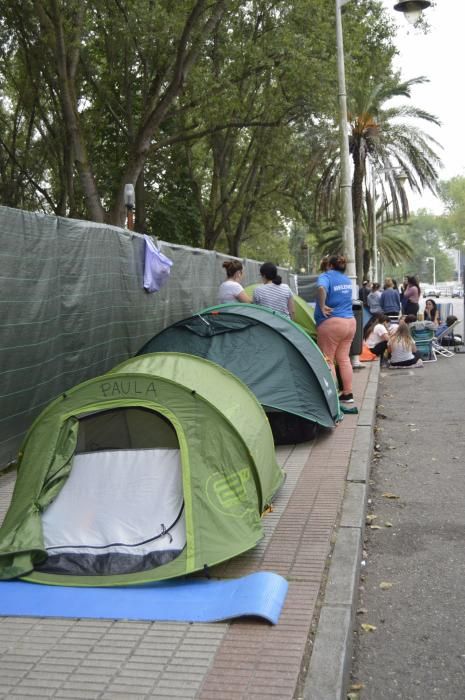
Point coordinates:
[(157, 267)]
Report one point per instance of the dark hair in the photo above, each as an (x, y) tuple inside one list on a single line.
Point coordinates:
[(450, 320), (413, 282), (376, 318), (337, 262), (375, 286), (270, 272), (434, 310), (410, 318), (232, 266), (324, 263)]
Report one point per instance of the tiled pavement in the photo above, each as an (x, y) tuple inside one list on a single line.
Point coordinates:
[(247, 659)]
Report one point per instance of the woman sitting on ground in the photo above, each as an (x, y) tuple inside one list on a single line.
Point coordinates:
[(390, 300), (376, 335), (402, 347), (231, 290), (273, 293), (431, 312)]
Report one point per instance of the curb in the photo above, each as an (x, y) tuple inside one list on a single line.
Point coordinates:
[(328, 672)]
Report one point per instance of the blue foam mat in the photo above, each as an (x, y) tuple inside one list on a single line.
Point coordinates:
[(260, 594)]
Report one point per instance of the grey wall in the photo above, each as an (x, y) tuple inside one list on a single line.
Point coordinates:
[(72, 306)]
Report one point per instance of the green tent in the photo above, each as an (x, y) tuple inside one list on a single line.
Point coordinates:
[(304, 313), (154, 470), (277, 360)]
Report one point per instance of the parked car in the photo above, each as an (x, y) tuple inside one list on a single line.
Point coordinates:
[(430, 291), (457, 292)]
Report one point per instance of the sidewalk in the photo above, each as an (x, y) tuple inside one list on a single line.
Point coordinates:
[(305, 656)]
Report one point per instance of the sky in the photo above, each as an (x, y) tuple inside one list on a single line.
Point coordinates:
[(438, 55)]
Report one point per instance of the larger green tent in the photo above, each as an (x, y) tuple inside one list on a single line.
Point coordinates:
[(157, 469), (277, 360)]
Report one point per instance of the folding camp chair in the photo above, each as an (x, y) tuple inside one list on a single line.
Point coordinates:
[(423, 338), (438, 346)]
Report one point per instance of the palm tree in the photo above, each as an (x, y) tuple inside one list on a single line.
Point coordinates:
[(392, 247), (386, 136)]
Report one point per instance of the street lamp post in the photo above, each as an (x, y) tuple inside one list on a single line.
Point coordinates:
[(401, 178), (346, 180), (434, 270), (374, 267), (412, 10)]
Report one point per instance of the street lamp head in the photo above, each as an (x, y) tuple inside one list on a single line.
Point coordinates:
[(129, 196), (402, 178), (412, 9)]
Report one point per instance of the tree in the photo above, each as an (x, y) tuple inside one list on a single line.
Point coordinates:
[(385, 135), (123, 60), (452, 193), (423, 234), (217, 111), (394, 249)]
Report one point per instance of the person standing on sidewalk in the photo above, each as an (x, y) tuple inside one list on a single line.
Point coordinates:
[(411, 297), (374, 299), (231, 289), (363, 293), (335, 322), (390, 300), (273, 293)]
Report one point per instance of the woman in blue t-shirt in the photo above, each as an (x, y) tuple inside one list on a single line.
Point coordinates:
[(335, 322)]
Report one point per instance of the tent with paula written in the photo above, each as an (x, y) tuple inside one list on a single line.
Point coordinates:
[(159, 468)]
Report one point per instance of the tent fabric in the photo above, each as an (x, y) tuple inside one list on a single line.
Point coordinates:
[(224, 483), (103, 492), (73, 306), (277, 360), (231, 397)]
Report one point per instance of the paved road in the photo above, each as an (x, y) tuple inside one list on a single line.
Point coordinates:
[(417, 650)]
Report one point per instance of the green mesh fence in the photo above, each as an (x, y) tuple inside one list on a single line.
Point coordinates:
[(72, 306)]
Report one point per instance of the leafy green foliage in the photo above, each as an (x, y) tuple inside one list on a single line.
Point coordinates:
[(222, 113), (424, 236), (452, 193)]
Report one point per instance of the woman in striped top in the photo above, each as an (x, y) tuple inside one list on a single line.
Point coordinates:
[(273, 293)]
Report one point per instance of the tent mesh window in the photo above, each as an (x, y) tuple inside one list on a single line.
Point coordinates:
[(121, 509)]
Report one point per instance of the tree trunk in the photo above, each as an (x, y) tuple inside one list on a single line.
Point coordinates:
[(357, 203), (158, 104), (140, 224), (67, 59)]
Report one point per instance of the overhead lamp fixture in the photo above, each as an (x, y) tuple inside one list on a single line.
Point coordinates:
[(129, 196), (412, 9)]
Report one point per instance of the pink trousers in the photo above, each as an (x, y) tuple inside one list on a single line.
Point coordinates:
[(334, 338)]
